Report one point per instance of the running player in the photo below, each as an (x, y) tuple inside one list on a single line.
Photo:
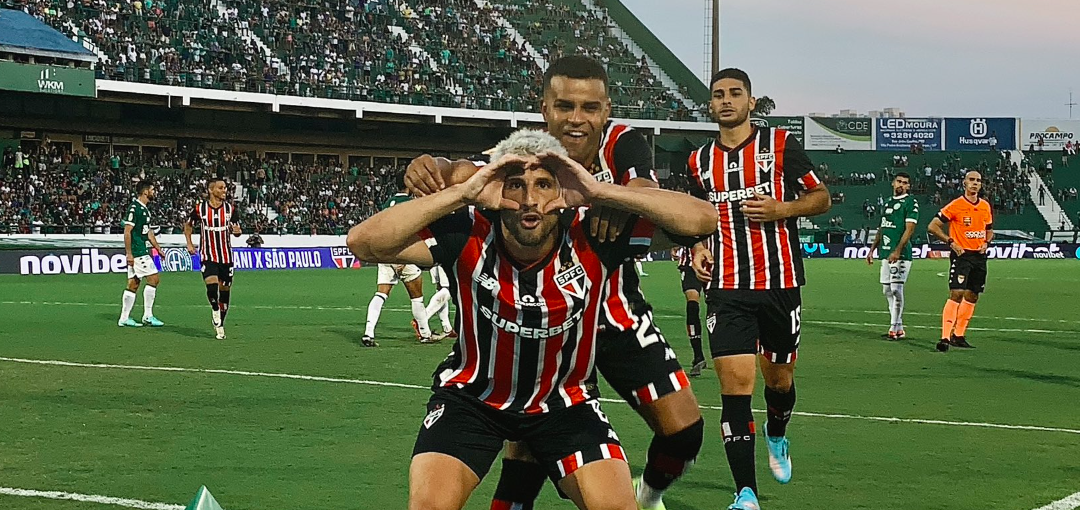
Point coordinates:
[(216, 219), (893, 242), (439, 304), (532, 283), (140, 265), (761, 182), (691, 288), (646, 374), (971, 228), (389, 276)]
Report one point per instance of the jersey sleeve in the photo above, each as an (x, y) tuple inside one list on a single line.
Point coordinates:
[(912, 212), (989, 218), (946, 213), (446, 237), (798, 169), (633, 158), (194, 217), (235, 216), (131, 216), (632, 242), (693, 171)]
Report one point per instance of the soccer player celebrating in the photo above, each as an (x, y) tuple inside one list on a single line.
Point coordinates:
[(971, 228), (893, 242), (216, 219), (530, 286), (137, 233), (389, 276), (761, 182), (645, 373), (691, 287)]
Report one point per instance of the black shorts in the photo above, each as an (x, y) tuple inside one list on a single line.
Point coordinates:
[(689, 280), (459, 425), (223, 272), (768, 322), (639, 365), (967, 272)]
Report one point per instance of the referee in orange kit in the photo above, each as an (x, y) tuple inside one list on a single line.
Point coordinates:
[(970, 232)]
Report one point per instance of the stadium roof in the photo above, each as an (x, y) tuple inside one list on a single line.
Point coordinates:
[(24, 34)]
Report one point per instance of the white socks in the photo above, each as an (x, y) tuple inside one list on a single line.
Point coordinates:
[(148, 294), (129, 302), (648, 497), (419, 313), (374, 309), (440, 303), (897, 306)]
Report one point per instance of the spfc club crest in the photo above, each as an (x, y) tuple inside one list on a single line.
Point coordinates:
[(433, 416), (571, 279)]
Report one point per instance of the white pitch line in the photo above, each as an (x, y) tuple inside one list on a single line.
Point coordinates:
[(90, 498), (419, 387), (1069, 503)]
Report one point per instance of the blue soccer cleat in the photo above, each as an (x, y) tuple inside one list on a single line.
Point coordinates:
[(152, 322), (130, 323), (779, 458), (745, 500)]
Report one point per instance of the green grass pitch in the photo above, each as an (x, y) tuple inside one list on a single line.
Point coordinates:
[(269, 443)]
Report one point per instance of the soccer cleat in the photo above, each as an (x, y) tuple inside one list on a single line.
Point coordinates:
[(943, 345), (219, 332), (416, 329), (431, 339), (745, 500), (697, 367), (779, 457), (960, 341), (452, 335), (367, 341), (130, 323), (215, 317), (153, 322), (657, 506), (900, 334)]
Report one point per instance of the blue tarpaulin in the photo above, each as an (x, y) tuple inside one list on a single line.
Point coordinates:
[(19, 30)]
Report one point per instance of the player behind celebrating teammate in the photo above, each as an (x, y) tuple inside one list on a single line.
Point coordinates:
[(389, 276), (439, 304), (971, 228), (893, 242), (691, 287), (633, 355), (530, 284), (216, 219), (137, 233), (761, 182)]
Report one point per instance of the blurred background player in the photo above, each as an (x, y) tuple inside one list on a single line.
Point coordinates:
[(971, 228), (691, 287), (761, 181), (440, 303), (137, 233), (893, 242), (216, 219), (389, 276)]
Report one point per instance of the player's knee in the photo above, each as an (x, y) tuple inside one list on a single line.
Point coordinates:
[(737, 382), (887, 290), (686, 443), (971, 297), (430, 500)]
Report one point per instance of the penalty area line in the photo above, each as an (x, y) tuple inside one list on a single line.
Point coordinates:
[(1067, 503), (888, 419), (89, 498)]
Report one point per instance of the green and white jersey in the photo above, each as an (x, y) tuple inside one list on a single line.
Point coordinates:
[(138, 216), (898, 212), (395, 200)]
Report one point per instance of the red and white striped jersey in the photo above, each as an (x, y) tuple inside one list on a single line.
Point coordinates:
[(748, 254), (684, 256), (215, 233), (527, 335)]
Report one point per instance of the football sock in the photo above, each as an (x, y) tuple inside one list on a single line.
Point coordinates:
[(519, 485), (669, 457), (420, 316), (780, 405), (148, 294), (948, 318), (693, 328), (128, 302), (439, 305), (898, 306), (963, 316), (890, 296), (637, 267), (212, 295), (223, 303), (737, 427), (374, 309)]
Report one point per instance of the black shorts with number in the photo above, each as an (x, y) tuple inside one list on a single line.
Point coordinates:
[(639, 365), (459, 425), (223, 272), (967, 272), (689, 279), (754, 321)]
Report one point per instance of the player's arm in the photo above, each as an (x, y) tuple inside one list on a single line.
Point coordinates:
[(153, 242), (873, 246), (909, 231), (633, 166), (129, 226), (813, 197), (989, 237), (188, 228), (427, 174), (234, 220), (937, 229)]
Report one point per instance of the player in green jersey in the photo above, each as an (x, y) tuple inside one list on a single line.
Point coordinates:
[(137, 233), (893, 244)]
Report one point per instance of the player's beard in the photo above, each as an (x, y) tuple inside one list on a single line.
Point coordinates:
[(740, 119), (530, 237)]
